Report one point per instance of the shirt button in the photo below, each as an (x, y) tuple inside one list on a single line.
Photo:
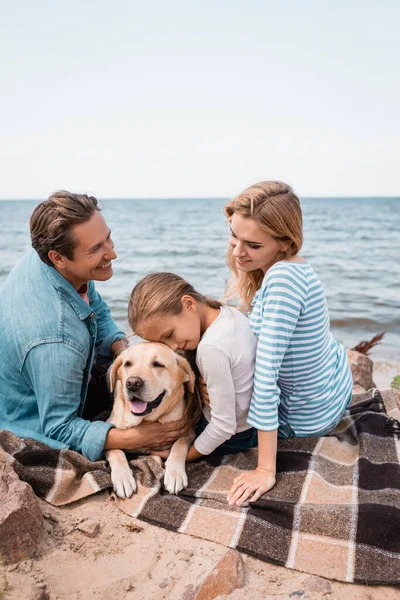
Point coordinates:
[(92, 315)]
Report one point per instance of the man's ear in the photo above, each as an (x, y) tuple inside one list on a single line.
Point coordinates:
[(189, 375), (113, 372), (57, 259)]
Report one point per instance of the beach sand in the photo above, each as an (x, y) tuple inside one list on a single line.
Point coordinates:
[(129, 559), (384, 372)]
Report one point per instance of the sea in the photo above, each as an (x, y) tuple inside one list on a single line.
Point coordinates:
[(352, 243)]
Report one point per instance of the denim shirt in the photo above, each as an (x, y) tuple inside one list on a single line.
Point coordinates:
[(48, 339)]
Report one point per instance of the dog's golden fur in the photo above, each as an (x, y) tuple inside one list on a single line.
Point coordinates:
[(148, 381)]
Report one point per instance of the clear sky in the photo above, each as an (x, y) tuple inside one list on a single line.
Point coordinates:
[(199, 98)]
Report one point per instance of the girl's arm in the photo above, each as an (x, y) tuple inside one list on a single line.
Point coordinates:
[(215, 366), (193, 454), (257, 482)]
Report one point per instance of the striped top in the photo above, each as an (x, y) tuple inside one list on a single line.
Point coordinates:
[(302, 376)]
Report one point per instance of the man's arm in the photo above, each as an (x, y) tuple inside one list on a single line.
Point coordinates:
[(58, 395)]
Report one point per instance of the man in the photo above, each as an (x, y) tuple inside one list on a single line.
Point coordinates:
[(54, 326)]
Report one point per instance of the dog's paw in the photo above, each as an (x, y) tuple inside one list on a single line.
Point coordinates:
[(123, 482), (175, 479)]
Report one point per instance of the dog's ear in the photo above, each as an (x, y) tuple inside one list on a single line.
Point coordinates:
[(113, 372), (189, 375)]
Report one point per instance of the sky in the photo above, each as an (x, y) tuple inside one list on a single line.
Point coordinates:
[(199, 98)]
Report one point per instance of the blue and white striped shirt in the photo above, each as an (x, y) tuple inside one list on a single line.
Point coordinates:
[(302, 376)]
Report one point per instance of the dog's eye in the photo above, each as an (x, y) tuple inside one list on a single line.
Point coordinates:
[(158, 365), (128, 363)]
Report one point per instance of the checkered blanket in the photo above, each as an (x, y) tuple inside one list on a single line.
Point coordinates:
[(334, 511)]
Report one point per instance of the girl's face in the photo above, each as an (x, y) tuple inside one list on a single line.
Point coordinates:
[(253, 248), (179, 332)]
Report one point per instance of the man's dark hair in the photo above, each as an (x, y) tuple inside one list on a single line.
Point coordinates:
[(52, 222)]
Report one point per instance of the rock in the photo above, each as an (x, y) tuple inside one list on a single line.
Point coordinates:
[(21, 520), (163, 584), (361, 369), (89, 528), (223, 579), (357, 389), (397, 396)]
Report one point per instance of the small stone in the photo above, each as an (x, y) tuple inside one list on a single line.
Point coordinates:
[(134, 527), (89, 528), (188, 593), (42, 594), (223, 579), (50, 517), (69, 530), (163, 584), (319, 586)]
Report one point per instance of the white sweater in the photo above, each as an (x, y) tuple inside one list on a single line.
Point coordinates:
[(225, 358)]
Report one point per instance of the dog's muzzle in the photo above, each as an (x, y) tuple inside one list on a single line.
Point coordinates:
[(140, 408)]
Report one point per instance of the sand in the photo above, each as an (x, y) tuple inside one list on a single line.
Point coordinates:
[(129, 559)]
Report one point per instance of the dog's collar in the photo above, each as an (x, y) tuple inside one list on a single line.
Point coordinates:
[(150, 405)]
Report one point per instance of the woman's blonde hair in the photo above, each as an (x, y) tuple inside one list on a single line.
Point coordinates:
[(276, 209), (159, 294)]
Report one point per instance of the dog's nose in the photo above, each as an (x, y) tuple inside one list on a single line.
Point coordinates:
[(134, 383)]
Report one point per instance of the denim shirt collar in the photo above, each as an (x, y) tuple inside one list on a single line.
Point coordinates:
[(82, 309)]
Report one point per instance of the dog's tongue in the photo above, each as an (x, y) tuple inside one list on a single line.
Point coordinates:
[(138, 406)]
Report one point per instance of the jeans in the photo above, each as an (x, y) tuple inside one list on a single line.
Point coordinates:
[(239, 442)]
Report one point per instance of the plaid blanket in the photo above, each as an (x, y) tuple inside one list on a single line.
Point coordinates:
[(334, 511)]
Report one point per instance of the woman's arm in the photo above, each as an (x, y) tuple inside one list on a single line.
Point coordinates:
[(257, 482)]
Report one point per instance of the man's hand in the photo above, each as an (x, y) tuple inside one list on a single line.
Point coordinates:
[(252, 483), (155, 436)]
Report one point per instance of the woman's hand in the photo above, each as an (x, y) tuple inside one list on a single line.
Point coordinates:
[(255, 482)]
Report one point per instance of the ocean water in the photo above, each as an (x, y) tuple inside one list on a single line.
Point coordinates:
[(352, 243)]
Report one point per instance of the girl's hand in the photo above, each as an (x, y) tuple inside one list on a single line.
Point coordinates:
[(255, 482)]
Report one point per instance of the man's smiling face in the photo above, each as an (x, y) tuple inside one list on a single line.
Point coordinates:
[(93, 253)]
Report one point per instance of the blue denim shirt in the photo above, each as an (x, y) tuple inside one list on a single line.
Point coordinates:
[(48, 339)]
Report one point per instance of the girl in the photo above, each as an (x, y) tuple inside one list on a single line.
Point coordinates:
[(302, 380), (165, 308)]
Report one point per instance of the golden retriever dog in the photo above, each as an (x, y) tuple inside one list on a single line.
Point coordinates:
[(148, 381)]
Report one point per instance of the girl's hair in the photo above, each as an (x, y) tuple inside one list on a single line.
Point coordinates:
[(159, 294), (276, 209)]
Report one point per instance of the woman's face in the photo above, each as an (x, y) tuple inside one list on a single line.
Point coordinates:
[(252, 247)]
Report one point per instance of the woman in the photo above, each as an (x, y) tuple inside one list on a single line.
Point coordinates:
[(302, 380)]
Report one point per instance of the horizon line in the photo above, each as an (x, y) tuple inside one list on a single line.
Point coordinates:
[(139, 198)]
